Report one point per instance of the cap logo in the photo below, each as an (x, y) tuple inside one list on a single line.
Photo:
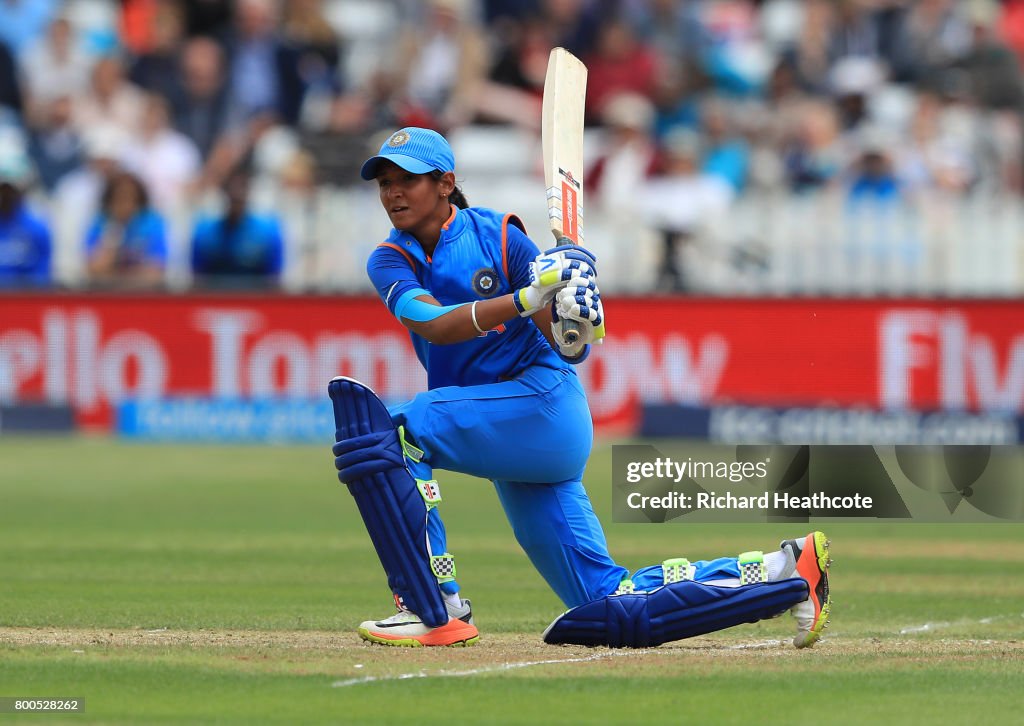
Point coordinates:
[(398, 138)]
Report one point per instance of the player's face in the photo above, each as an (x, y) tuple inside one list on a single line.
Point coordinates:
[(413, 201)]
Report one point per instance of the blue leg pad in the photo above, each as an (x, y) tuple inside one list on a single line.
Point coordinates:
[(672, 612), (371, 463)]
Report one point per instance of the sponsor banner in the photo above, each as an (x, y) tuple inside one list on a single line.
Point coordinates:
[(691, 482), (761, 425), (96, 352), (187, 419)]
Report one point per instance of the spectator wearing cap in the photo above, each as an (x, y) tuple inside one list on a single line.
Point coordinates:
[(25, 244), (853, 81), (240, 248), (126, 245)]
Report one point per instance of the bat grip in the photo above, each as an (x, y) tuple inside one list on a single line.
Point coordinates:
[(569, 330)]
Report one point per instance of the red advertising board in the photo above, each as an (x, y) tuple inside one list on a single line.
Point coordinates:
[(93, 351)]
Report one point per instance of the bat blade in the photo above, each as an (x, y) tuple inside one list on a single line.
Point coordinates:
[(565, 87)]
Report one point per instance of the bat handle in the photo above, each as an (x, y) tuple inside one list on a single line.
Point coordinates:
[(569, 329)]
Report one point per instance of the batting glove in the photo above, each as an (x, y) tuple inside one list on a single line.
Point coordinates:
[(580, 302), (550, 272)]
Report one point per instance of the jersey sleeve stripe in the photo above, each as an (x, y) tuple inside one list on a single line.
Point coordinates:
[(504, 246), (406, 255)]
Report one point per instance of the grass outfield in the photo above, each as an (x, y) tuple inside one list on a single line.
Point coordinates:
[(222, 584)]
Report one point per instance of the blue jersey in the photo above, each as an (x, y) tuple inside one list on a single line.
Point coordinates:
[(142, 240), (481, 254), (251, 247), (25, 250)]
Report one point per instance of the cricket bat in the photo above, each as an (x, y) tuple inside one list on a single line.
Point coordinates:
[(565, 87)]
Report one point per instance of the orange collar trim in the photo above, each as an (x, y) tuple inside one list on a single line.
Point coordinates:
[(451, 217)]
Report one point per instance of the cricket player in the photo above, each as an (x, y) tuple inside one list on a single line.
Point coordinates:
[(482, 305)]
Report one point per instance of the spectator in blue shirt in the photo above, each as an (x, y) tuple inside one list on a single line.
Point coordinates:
[(127, 244), (874, 180), (25, 245), (241, 248)]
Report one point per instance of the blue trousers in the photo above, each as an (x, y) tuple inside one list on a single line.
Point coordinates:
[(531, 437)]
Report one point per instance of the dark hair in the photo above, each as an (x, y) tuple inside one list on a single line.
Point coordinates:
[(456, 197), (116, 180)]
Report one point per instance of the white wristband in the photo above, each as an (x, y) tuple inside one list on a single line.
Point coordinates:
[(472, 312)]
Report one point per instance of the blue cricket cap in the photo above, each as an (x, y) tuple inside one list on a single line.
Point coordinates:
[(414, 149)]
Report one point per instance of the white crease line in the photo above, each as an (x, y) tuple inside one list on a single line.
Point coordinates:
[(928, 627), (923, 628), (476, 671), (762, 644)]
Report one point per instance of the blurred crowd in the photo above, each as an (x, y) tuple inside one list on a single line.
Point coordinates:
[(149, 142)]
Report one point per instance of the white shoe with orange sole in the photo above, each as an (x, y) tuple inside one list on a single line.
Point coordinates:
[(405, 629)]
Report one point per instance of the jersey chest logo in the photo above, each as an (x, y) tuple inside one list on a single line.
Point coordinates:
[(485, 282)]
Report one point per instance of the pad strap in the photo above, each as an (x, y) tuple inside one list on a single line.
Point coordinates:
[(410, 449), (443, 567), (752, 568), (626, 587), (677, 570)]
